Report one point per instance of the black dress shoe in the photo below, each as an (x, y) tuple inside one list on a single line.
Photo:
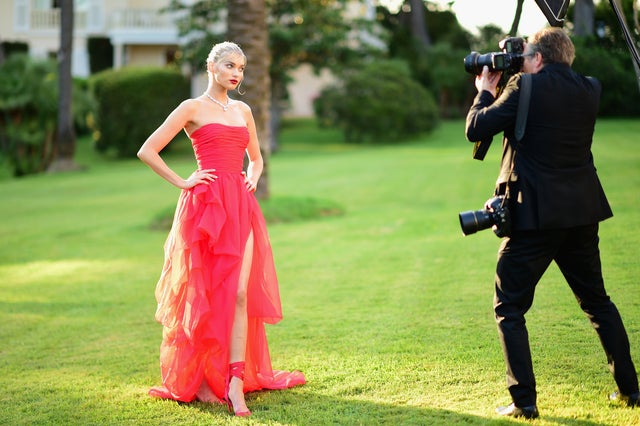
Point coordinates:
[(632, 400), (529, 412)]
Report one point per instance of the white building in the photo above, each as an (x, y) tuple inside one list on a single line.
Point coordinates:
[(139, 33)]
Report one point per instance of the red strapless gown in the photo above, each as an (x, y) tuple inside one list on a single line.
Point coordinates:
[(197, 289)]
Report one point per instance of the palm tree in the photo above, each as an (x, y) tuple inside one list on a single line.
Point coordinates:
[(66, 139), (583, 18), (247, 26), (516, 19), (1, 55), (636, 22), (419, 24)]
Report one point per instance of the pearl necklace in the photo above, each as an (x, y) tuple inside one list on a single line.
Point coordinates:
[(223, 106)]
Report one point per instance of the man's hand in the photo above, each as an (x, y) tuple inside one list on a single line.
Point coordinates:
[(488, 81)]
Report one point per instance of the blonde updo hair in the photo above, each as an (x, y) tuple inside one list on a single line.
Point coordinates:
[(220, 50)]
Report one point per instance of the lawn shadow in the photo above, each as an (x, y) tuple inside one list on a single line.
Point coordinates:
[(315, 409)]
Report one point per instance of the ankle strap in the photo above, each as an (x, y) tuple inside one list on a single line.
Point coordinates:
[(236, 369)]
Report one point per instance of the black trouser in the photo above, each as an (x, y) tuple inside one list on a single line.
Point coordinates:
[(522, 260)]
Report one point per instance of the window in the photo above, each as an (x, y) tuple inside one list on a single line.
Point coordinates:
[(41, 4)]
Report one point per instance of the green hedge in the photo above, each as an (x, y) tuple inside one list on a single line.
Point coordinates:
[(613, 66), (381, 103), (29, 112), (132, 103)]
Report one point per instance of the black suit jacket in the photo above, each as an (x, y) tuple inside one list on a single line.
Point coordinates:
[(554, 182)]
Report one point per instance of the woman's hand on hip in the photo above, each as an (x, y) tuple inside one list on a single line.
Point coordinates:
[(250, 183), (199, 177)]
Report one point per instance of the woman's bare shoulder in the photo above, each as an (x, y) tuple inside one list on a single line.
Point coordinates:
[(191, 104), (243, 106)]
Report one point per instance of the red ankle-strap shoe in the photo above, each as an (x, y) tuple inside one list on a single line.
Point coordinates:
[(236, 369)]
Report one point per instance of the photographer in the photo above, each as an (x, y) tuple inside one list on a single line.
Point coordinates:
[(555, 201)]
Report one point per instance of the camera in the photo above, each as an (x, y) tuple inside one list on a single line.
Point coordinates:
[(509, 60), (497, 216)]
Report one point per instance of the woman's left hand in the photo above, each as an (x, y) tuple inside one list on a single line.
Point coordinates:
[(249, 183)]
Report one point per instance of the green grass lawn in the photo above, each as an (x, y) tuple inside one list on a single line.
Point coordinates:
[(388, 308)]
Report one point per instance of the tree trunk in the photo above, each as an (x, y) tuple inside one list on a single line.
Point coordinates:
[(583, 18), (278, 94), (419, 24), (65, 143), (247, 26), (1, 54), (516, 19), (636, 23)]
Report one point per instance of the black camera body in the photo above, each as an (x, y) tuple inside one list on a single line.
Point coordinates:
[(509, 60), (496, 215)]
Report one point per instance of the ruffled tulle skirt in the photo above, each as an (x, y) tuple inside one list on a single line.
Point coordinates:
[(196, 292)]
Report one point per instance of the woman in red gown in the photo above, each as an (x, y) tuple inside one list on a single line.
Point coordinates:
[(218, 285)]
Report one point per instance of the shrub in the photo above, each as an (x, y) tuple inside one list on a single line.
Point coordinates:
[(83, 105), (132, 103), (440, 69), (324, 106), (28, 113), (614, 68), (379, 103)]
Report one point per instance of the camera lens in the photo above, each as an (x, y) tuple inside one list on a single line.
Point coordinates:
[(474, 62), (474, 221), (471, 63)]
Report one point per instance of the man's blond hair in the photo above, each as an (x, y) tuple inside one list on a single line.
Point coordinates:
[(554, 45)]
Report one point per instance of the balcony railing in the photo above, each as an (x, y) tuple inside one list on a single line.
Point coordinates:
[(134, 19), (139, 19), (50, 19)]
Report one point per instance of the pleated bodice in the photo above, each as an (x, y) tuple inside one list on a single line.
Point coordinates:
[(220, 147)]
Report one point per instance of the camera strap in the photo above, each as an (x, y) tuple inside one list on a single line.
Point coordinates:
[(523, 106), (521, 123)]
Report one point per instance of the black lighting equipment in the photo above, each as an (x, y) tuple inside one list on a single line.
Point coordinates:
[(556, 10)]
